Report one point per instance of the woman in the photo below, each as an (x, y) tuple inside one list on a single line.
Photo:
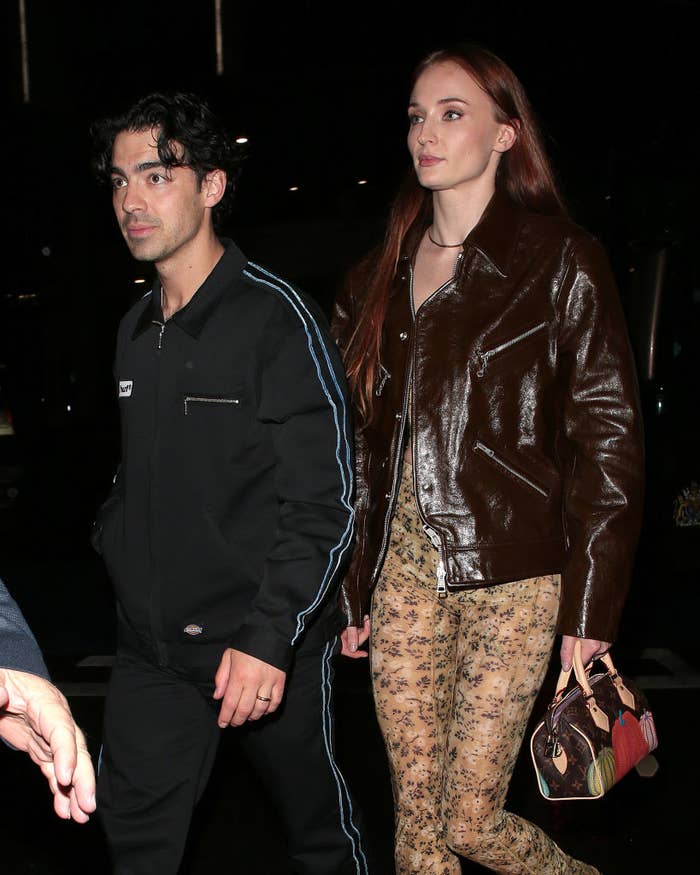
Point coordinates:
[(499, 462)]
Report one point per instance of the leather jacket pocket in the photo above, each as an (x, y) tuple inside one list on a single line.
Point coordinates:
[(509, 468), (488, 356)]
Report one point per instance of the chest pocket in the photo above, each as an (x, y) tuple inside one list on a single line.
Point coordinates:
[(195, 402), (524, 340), (216, 425)]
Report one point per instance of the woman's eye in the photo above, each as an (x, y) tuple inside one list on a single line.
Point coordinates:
[(452, 115), (415, 119)]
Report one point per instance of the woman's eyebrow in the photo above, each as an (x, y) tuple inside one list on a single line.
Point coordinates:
[(415, 103)]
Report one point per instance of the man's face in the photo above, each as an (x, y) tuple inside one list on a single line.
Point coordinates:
[(161, 210)]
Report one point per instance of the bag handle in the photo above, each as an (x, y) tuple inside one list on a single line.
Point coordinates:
[(582, 673)]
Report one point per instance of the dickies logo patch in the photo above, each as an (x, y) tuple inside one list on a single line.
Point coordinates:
[(125, 387), (193, 629)]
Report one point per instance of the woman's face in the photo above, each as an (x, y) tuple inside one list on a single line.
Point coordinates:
[(453, 137)]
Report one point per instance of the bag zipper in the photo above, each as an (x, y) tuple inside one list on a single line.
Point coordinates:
[(485, 357), (555, 710), (487, 451)]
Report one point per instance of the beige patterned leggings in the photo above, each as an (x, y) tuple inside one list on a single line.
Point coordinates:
[(454, 682)]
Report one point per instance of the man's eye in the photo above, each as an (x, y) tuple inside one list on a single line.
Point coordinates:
[(118, 182), (158, 178)]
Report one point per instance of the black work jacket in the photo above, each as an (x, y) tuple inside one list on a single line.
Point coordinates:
[(232, 508), (525, 430)]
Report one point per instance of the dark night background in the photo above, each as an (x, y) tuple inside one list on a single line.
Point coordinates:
[(321, 90)]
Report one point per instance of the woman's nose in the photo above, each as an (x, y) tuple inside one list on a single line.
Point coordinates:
[(426, 134)]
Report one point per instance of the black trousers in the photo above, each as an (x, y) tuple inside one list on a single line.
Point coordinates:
[(159, 746)]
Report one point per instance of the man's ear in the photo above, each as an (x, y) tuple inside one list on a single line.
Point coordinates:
[(214, 186)]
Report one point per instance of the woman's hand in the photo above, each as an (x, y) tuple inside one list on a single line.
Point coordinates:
[(590, 649), (352, 638)]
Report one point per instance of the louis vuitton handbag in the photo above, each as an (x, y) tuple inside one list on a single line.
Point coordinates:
[(591, 734)]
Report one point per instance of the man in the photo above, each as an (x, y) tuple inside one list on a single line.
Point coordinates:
[(35, 717), (229, 517)]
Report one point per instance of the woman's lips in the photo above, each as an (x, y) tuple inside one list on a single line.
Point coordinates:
[(428, 161)]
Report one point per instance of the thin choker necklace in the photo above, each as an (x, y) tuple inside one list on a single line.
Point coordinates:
[(442, 245)]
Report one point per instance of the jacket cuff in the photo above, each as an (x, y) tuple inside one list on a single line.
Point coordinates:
[(571, 623), (262, 643), (352, 605)]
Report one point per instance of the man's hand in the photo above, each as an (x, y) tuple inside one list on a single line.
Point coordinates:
[(352, 638), (35, 718), (249, 688), (590, 649)]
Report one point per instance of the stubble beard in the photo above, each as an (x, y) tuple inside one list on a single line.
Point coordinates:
[(145, 250)]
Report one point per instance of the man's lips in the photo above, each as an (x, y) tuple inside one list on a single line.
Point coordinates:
[(139, 230), (428, 160)]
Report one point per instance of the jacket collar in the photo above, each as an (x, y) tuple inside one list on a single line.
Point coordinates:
[(495, 235), (194, 315)]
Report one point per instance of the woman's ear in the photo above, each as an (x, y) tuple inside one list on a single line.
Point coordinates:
[(507, 136)]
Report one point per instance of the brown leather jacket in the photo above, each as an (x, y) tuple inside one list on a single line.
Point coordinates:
[(525, 427)]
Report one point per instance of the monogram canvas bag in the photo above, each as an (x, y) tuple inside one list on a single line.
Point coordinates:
[(591, 734)]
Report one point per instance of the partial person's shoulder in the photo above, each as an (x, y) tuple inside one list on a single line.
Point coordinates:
[(287, 301), (558, 233), (577, 259)]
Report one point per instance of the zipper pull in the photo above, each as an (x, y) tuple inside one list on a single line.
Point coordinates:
[(552, 748), (160, 335), (385, 376), (441, 582), (433, 535)]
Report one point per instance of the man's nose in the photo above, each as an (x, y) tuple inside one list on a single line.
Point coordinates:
[(133, 200)]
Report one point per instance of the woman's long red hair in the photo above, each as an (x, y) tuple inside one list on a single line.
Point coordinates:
[(524, 173)]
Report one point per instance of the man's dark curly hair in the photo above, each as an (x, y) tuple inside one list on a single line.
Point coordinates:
[(177, 118)]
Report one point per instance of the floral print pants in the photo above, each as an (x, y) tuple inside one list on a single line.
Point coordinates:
[(454, 682)]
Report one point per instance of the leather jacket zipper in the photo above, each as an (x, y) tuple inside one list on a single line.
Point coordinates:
[(441, 576), (485, 357), (394, 485), (440, 573), (208, 399), (487, 451), (398, 465)]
